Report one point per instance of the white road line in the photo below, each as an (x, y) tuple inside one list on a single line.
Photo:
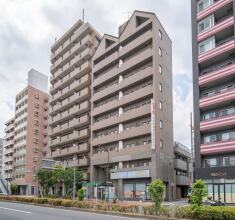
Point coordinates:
[(15, 210)]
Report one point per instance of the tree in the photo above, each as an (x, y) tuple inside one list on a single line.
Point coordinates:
[(46, 179), (80, 194), (14, 188), (199, 191), (156, 190), (67, 177)]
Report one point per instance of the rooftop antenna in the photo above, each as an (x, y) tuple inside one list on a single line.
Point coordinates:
[(83, 15)]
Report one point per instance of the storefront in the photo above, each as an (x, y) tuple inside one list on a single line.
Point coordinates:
[(136, 191), (221, 189)]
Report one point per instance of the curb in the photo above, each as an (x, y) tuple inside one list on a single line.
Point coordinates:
[(129, 215)]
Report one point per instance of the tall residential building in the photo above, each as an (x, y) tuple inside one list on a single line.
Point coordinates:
[(8, 150), (1, 156), (69, 122), (132, 78), (30, 132), (214, 95)]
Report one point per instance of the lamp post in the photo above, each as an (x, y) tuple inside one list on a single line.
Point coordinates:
[(74, 177)]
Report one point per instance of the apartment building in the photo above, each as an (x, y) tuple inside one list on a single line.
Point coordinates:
[(1, 156), (183, 165), (8, 150), (30, 131), (214, 95), (132, 132), (69, 120)]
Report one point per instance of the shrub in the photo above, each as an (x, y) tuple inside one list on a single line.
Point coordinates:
[(198, 192), (80, 194), (67, 203), (156, 190)]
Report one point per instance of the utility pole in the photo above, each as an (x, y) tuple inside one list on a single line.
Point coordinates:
[(74, 177)]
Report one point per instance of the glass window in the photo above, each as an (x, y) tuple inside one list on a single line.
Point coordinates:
[(160, 87), (206, 23), (129, 191), (140, 191), (161, 124), (203, 4), (161, 144), (160, 51), (160, 69), (206, 45), (225, 136), (211, 162), (160, 105)]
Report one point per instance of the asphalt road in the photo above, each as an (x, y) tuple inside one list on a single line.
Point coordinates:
[(18, 211)]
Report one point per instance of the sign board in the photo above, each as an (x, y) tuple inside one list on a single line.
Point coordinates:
[(130, 174)]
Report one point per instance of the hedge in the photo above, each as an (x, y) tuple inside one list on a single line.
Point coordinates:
[(189, 212)]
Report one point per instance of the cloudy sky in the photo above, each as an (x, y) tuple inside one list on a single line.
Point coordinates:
[(28, 29)]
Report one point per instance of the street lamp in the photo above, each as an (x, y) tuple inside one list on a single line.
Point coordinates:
[(74, 177)]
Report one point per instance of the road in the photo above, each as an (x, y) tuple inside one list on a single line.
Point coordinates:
[(18, 211)]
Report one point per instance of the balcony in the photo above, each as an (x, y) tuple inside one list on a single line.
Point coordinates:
[(129, 115), (218, 147), (72, 100), (217, 72), (71, 125), (217, 99), (76, 61), (70, 113), (77, 84), (215, 123), (125, 134), (222, 25), (71, 150), (180, 164), (113, 58), (182, 180), (69, 78), (75, 135), (143, 56), (141, 93), (83, 162), (85, 42), (140, 75), (125, 154), (218, 50), (67, 44), (211, 9)]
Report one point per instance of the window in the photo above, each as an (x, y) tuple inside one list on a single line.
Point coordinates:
[(160, 105), (203, 4), (161, 124), (206, 23), (160, 34), (161, 144), (212, 162), (160, 69), (36, 114), (36, 96), (36, 105), (229, 161), (160, 87), (160, 51), (206, 45)]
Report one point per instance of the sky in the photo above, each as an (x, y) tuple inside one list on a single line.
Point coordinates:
[(28, 28)]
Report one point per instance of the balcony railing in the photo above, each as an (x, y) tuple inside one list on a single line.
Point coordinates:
[(217, 72), (211, 9), (217, 98), (219, 26), (228, 120), (218, 147), (221, 47)]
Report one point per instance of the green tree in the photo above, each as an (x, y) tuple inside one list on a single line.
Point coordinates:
[(80, 194), (67, 177), (46, 179), (14, 188), (156, 190), (199, 191)]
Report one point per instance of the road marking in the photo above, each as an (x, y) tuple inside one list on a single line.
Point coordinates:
[(15, 210)]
